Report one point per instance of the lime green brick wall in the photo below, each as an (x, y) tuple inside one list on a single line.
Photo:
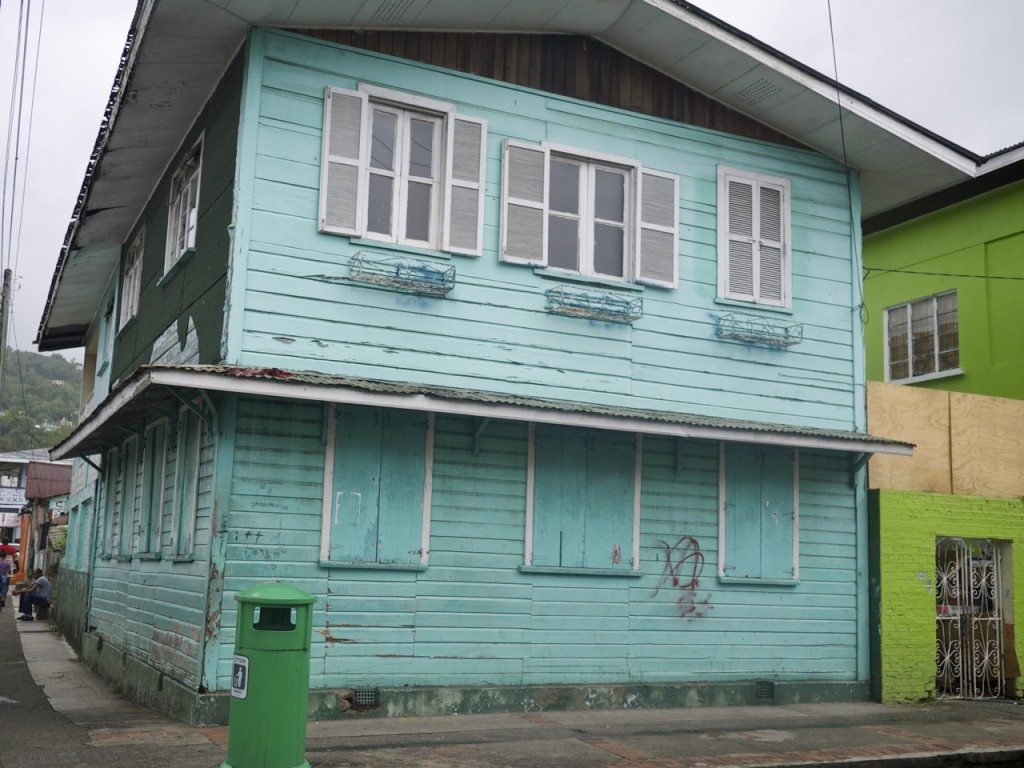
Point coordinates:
[(906, 526)]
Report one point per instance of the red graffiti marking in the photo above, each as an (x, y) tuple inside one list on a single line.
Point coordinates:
[(684, 563)]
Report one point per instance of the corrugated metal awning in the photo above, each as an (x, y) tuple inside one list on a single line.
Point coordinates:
[(151, 388)]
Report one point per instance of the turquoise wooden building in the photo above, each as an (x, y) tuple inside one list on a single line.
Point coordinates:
[(530, 348)]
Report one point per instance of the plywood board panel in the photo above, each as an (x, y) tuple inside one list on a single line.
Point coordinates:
[(919, 416), (987, 442)]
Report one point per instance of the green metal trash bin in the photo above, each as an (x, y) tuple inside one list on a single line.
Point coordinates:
[(270, 678)]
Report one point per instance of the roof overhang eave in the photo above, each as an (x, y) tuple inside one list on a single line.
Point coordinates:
[(146, 379)]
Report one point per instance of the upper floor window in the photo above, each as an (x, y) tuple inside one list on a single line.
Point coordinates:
[(588, 214), (402, 169), (183, 212), (922, 338), (754, 257), (131, 283)]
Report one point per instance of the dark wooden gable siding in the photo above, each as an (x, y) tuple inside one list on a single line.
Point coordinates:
[(569, 65)]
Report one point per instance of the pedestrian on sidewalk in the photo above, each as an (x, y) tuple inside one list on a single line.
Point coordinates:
[(5, 579), (36, 592)]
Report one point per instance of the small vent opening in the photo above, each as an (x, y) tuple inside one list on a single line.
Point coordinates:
[(758, 91), (392, 10), (764, 690), (366, 698)]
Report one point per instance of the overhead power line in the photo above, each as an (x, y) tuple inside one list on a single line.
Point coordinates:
[(869, 270)]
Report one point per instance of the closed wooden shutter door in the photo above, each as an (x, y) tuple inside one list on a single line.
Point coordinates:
[(524, 201), (464, 193), (342, 160), (659, 229)]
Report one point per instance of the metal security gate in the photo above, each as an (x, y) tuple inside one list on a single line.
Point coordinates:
[(968, 620)]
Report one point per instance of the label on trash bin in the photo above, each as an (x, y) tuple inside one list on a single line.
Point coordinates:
[(240, 676)]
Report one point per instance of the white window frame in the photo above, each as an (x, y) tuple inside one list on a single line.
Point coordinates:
[(327, 509), (531, 484), (400, 178), (723, 527), (909, 306), (589, 163), (406, 106), (131, 283), (182, 223), (757, 180)]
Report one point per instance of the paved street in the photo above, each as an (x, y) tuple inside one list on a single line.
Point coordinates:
[(54, 712)]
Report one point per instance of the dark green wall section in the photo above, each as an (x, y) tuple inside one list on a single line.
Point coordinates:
[(195, 287)]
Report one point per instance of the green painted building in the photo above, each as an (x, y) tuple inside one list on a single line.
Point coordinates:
[(944, 298)]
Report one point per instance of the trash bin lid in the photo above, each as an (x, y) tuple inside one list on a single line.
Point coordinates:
[(275, 593)]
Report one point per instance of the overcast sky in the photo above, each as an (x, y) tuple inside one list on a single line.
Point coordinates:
[(953, 67)]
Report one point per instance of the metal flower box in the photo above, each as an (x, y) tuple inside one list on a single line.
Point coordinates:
[(758, 330), (402, 274), (594, 305)]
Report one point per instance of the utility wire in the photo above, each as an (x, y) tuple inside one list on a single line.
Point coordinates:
[(28, 140), (4, 252), (869, 270)]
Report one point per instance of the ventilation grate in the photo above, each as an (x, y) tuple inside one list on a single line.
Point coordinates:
[(758, 91), (764, 690), (366, 698), (392, 10)]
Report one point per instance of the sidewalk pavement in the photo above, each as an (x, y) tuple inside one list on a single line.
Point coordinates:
[(54, 712)]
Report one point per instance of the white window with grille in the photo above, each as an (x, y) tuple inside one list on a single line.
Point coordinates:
[(754, 258), (131, 281), (183, 211), (588, 214), (922, 339), (402, 169)]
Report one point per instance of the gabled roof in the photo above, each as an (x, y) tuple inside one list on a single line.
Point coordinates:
[(178, 49)]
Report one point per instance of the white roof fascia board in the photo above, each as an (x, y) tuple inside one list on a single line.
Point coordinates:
[(100, 416), (908, 134), (1001, 160), (431, 403)]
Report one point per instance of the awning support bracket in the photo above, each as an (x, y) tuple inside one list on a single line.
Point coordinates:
[(480, 428)]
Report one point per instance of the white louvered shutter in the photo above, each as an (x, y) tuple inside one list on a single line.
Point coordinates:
[(771, 269), (464, 186), (342, 158), (740, 240), (658, 233), (524, 192)]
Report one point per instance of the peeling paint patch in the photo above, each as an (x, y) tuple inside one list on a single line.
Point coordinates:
[(331, 639)]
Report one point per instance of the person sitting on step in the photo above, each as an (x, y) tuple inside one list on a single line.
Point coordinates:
[(35, 592)]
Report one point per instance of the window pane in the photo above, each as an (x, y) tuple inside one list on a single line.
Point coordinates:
[(564, 190), (417, 218), (898, 352), (563, 243), (609, 195), (608, 250), (923, 331), (382, 151), (379, 205), (949, 334), (421, 148)]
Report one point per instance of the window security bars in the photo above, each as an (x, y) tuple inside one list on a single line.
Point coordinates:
[(968, 620)]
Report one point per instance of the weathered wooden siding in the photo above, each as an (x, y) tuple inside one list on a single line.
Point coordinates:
[(473, 618), (156, 609), (189, 303), (492, 332), (567, 65)]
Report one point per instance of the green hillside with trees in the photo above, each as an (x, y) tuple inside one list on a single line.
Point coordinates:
[(39, 400)]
